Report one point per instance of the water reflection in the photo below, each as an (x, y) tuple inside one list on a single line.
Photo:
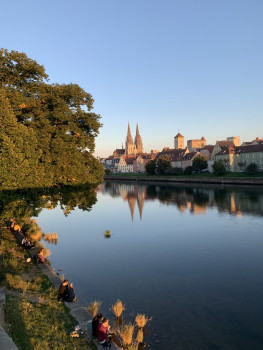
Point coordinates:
[(235, 201)]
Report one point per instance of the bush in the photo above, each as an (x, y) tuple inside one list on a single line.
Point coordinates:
[(219, 168), (174, 171), (188, 170), (252, 169)]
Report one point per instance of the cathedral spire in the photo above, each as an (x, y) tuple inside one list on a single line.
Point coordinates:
[(138, 141), (137, 130)]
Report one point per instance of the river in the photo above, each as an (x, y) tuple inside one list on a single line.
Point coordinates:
[(191, 258)]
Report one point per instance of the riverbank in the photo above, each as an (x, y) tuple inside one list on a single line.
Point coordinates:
[(224, 180), (31, 303)]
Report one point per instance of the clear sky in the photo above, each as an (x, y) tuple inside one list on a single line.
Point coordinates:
[(192, 65)]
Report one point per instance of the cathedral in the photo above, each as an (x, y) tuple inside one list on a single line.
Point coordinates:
[(133, 148)]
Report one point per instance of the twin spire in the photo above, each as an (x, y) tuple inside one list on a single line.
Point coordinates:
[(133, 148)]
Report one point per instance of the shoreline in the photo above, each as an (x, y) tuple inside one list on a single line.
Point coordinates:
[(77, 309), (237, 181)]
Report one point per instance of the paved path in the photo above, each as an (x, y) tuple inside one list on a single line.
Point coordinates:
[(6, 343)]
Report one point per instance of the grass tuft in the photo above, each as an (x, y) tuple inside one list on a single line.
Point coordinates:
[(107, 234), (93, 307), (118, 308), (126, 334), (141, 320)]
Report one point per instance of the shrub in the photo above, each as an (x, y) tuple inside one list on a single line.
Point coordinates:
[(252, 169), (219, 168), (188, 170)]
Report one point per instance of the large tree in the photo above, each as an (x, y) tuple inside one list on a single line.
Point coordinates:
[(163, 164), (199, 163), (58, 118)]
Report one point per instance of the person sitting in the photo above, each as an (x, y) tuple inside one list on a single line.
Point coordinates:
[(26, 243), (70, 294), (103, 335), (40, 256), (17, 228), (95, 323), (62, 290)]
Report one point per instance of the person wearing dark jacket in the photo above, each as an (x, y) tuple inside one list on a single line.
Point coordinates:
[(62, 290), (70, 294), (95, 323)]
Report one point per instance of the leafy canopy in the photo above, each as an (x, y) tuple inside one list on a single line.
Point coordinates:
[(50, 127)]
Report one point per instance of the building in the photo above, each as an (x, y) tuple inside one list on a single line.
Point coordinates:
[(245, 155), (179, 141), (188, 158), (235, 139), (194, 144), (140, 162), (125, 164), (219, 146), (175, 156), (227, 156)]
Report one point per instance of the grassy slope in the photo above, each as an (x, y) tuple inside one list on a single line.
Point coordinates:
[(34, 318)]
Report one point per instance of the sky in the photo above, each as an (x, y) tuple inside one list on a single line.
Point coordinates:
[(193, 66)]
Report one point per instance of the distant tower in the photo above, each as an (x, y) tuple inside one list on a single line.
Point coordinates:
[(138, 141), (179, 141), (129, 146)]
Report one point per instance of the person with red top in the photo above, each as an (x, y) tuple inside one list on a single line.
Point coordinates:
[(103, 335)]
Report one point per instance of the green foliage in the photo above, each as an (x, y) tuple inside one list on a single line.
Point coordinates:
[(150, 167), (48, 131), (219, 168), (107, 171), (199, 163), (163, 164), (188, 170), (252, 169), (174, 171)]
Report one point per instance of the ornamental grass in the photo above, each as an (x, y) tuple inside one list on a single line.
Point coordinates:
[(126, 334), (94, 307), (141, 320), (118, 308)]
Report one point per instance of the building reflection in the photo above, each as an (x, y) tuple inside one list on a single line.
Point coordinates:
[(235, 201)]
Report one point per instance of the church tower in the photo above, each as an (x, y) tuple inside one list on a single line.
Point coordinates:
[(129, 146), (138, 141)]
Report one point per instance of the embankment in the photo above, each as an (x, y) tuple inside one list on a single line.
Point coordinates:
[(251, 181)]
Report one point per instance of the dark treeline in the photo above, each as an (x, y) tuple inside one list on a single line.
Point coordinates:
[(47, 131)]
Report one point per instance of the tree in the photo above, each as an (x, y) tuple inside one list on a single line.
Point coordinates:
[(199, 163), (219, 168), (163, 164), (252, 169), (150, 167), (58, 116)]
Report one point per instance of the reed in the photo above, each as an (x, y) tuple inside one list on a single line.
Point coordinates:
[(141, 320), (94, 307), (126, 334), (139, 336), (133, 346), (107, 234), (62, 277), (118, 308)]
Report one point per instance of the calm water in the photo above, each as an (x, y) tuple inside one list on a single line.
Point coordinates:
[(190, 258)]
